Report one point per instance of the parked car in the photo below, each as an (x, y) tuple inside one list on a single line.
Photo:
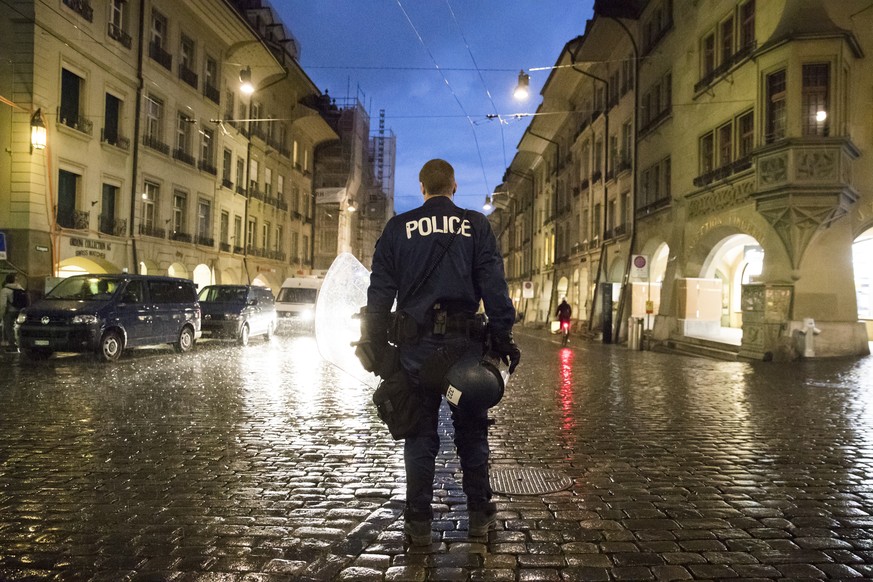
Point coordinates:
[(237, 312), (107, 314), (295, 303)]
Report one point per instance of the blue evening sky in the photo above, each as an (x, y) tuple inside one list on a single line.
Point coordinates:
[(386, 52)]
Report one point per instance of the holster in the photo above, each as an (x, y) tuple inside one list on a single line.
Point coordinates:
[(403, 330)]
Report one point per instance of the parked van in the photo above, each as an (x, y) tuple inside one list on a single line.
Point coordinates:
[(295, 302), (237, 312), (107, 314)]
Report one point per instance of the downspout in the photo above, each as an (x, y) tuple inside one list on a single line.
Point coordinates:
[(136, 135), (633, 215), (600, 265), (555, 218)]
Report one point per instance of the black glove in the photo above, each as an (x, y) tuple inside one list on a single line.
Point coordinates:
[(371, 350), (503, 348)]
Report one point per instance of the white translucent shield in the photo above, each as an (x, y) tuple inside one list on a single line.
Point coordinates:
[(343, 293)]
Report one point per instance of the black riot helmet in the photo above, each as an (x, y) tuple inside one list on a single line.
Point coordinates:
[(474, 382)]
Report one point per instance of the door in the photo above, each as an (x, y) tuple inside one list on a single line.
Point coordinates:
[(134, 314)]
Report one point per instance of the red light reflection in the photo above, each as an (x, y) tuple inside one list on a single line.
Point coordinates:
[(566, 371)]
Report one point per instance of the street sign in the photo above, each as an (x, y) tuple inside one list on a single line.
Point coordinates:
[(2, 246), (527, 290), (640, 266)]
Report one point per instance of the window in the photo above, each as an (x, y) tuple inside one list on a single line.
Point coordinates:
[(150, 194), (626, 144), (278, 241), (183, 139), (726, 40), (253, 175), (237, 231), (154, 118), (295, 199), (775, 103), (707, 53), (107, 222), (265, 236), (210, 79), (305, 249), (207, 149), (745, 134), (158, 40), (224, 227), (229, 107), (71, 96), (295, 251), (68, 193), (118, 22), (226, 169), (180, 211), (747, 25), (268, 181), (707, 153), (204, 218), (725, 145), (294, 155), (240, 175), (250, 235), (111, 119), (814, 99), (280, 185), (187, 61)]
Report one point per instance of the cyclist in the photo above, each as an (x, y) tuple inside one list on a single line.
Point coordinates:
[(564, 313)]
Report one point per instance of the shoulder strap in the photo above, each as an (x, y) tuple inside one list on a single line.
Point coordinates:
[(435, 264)]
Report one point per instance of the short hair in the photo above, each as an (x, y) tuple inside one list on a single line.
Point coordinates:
[(438, 177), (10, 278)]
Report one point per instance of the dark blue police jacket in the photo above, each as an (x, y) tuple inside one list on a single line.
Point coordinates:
[(471, 270)]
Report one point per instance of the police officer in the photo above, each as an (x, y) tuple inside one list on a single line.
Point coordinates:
[(439, 318)]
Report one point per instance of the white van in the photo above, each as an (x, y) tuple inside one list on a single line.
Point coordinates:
[(295, 303)]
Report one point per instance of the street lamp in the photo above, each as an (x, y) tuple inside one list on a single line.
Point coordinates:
[(522, 89), (37, 131), (245, 81)]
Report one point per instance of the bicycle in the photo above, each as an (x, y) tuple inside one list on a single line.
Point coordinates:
[(565, 333)]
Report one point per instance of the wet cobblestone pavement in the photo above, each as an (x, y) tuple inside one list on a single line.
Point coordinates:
[(263, 463)]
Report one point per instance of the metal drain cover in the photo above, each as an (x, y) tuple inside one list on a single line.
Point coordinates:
[(528, 481)]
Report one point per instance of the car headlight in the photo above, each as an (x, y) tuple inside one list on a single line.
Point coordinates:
[(307, 315), (231, 316), (21, 318), (84, 318)]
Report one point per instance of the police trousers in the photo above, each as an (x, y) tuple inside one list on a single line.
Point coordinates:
[(470, 435)]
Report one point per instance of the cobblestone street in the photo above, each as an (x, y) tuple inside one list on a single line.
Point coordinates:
[(264, 463)]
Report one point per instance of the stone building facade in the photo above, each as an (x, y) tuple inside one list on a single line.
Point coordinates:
[(703, 175), (157, 161)]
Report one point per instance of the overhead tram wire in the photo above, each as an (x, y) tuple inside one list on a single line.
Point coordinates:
[(481, 78), (451, 89)]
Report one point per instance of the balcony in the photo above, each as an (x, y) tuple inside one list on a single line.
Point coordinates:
[(276, 255), (255, 193), (78, 122), (112, 138), (187, 75), (596, 176), (255, 251), (72, 219), (207, 167), (180, 236), (82, 8), (162, 57), (112, 225), (184, 157), (205, 241), (224, 247), (152, 231), (118, 35), (154, 142), (238, 250), (212, 93), (240, 189), (226, 183), (713, 75)]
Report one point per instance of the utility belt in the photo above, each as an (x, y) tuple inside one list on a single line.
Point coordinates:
[(405, 330)]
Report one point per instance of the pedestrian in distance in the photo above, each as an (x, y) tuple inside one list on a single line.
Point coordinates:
[(439, 261), (12, 300)]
